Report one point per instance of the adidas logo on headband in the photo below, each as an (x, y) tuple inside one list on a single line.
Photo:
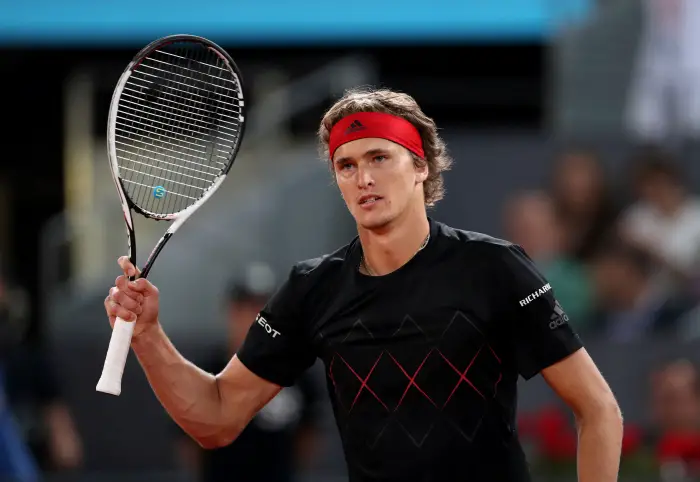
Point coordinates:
[(354, 127)]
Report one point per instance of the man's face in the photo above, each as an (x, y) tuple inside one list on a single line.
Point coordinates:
[(378, 180)]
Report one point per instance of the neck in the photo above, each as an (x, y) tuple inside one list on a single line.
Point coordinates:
[(392, 246)]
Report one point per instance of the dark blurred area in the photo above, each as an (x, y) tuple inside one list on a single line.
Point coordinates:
[(574, 125)]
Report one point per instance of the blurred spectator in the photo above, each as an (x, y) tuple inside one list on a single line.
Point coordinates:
[(665, 220), (631, 306), (532, 222), (16, 460), (583, 202), (44, 416), (280, 441), (675, 400), (14, 315), (664, 98), (32, 392)]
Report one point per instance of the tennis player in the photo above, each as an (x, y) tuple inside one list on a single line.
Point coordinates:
[(423, 329)]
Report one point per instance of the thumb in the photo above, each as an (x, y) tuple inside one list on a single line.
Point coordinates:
[(143, 286)]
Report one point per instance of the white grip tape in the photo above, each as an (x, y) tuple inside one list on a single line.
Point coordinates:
[(119, 344)]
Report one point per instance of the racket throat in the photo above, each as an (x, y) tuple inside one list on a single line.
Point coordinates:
[(154, 254)]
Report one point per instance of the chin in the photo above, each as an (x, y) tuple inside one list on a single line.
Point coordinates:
[(374, 220)]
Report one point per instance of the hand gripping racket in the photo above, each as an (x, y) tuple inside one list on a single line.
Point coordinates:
[(175, 125)]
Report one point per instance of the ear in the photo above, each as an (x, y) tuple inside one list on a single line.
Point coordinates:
[(421, 172)]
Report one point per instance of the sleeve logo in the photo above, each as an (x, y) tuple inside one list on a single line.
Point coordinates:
[(266, 326), (558, 318), (535, 294)]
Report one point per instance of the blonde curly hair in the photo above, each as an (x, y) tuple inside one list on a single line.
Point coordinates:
[(401, 105)]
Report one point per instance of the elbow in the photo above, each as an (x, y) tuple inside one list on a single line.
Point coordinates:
[(222, 430), (612, 411), (212, 443), (606, 410), (216, 441)]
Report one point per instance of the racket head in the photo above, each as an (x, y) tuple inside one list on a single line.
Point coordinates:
[(175, 126)]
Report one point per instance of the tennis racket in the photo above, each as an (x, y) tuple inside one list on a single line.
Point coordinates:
[(175, 126)]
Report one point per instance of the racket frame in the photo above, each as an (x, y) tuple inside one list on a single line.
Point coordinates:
[(110, 380)]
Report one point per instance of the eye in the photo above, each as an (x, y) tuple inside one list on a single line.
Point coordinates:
[(344, 166), (380, 158)]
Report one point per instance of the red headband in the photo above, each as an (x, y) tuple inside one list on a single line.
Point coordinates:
[(376, 124)]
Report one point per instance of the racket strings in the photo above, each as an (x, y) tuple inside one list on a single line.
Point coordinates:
[(178, 120), (205, 77)]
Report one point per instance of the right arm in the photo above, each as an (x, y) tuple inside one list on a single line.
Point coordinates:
[(213, 410)]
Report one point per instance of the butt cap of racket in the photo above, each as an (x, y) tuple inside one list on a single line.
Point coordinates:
[(119, 344)]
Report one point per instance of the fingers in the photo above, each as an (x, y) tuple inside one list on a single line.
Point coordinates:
[(121, 298), (126, 297), (115, 310), (143, 286), (140, 285), (127, 266), (127, 287)]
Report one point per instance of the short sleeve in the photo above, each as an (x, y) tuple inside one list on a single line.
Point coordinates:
[(277, 347), (539, 327)]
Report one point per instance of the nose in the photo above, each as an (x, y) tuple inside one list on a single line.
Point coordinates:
[(364, 177)]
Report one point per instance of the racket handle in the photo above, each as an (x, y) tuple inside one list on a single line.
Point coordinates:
[(119, 345)]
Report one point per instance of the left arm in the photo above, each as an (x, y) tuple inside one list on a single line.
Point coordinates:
[(579, 383), (545, 343)]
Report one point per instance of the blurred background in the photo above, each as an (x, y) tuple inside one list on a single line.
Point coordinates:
[(574, 125)]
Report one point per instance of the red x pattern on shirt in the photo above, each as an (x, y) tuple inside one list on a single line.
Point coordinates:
[(380, 380)]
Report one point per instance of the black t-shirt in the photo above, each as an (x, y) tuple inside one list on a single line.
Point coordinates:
[(421, 364), (270, 436)]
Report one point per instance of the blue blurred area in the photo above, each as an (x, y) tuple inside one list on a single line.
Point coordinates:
[(85, 22)]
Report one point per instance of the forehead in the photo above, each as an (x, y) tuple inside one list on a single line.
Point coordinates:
[(358, 147)]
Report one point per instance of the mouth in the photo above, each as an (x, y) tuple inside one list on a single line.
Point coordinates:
[(368, 200)]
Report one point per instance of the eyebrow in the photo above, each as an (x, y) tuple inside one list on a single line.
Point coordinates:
[(371, 152)]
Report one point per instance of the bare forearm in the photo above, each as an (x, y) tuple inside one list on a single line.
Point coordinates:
[(600, 446), (189, 394)]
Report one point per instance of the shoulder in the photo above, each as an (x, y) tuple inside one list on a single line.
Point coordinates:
[(474, 242), (495, 258), (308, 275), (323, 264), (312, 270)]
